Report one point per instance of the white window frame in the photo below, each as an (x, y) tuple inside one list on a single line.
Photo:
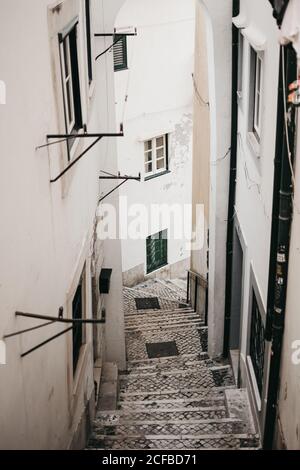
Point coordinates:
[(67, 82), (257, 105), (241, 45), (155, 159)]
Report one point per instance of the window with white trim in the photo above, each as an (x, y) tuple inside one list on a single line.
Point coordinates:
[(240, 66), (156, 155), (255, 105), (71, 80)]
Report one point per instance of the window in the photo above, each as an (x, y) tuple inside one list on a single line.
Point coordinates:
[(257, 343), (77, 313), (70, 81), (255, 105), (240, 66), (120, 52), (88, 40), (157, 250), (156, 155)]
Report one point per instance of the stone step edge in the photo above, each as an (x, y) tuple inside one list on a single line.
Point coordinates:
[(160, 311), (157, 366), (149, 321), (152, 322), (121, 413), (165, 359), (185, 327), (175, 371), (172, 316), (183, 422), (175, 401), (176, 391), (155, 324), (158, 286), (164, 326), (177, 437)]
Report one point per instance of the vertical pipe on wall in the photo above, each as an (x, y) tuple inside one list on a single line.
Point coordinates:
[(232, 181), (280, 239)]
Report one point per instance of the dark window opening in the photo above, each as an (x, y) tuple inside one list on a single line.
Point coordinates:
[(257, 343), (89, 40), (120, 52), (77, 313), (157, 250)]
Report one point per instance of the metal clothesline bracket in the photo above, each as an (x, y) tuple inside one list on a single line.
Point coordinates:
[(124, 178), (116, 38), (119, 177), (66, 137), (115, 33), (52, 320)]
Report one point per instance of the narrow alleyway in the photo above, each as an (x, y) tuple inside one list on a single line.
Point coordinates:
[(172, 395)]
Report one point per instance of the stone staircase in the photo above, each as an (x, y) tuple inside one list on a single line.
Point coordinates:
[(181, 401)]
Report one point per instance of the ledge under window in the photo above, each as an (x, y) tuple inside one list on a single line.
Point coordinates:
[(253, 144), (156, 175)]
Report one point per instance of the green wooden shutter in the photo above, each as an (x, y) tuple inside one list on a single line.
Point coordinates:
[(157, 251), (120, 52)]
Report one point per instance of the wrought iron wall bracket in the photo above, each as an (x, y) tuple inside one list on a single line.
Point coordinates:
[(53, 320), (66, 137), (119, 177), (60, 319), (124, 178), (115, 33), (116, 38)]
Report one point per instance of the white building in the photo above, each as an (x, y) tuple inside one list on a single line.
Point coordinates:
[(249, 277), (154, 90), (50, 256)]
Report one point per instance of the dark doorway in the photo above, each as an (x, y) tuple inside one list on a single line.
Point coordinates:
[(236, 293)]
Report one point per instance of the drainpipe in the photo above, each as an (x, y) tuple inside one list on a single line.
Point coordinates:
[(280, 242), (232, 178)]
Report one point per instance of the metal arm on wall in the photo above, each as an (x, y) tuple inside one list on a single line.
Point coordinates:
[(125, 178), (115, 41), (53, 320), (66, 137)]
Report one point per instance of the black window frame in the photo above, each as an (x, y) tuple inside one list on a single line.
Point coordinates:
[(70, 33), (120, 39), (256, 348), (78, 333)]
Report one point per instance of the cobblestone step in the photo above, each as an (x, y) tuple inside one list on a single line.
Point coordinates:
[(162, 428), (205, 379), (162, 317), (162, 367), (161, 288), (162, 414), (145, 403), (171, 359), (165, 365), (188, 341), (178, 442), (166, 325), (201, 367), (179, 393), (139, 314)]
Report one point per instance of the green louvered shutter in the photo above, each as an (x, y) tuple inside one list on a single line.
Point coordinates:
[(157, 251), (120, 53)]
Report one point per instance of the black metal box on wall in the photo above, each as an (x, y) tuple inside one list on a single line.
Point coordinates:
[(104, 281)]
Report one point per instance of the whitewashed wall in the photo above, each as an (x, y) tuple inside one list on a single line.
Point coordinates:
[(289, 402), (254, 190), (159, 86), (46, 229)]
